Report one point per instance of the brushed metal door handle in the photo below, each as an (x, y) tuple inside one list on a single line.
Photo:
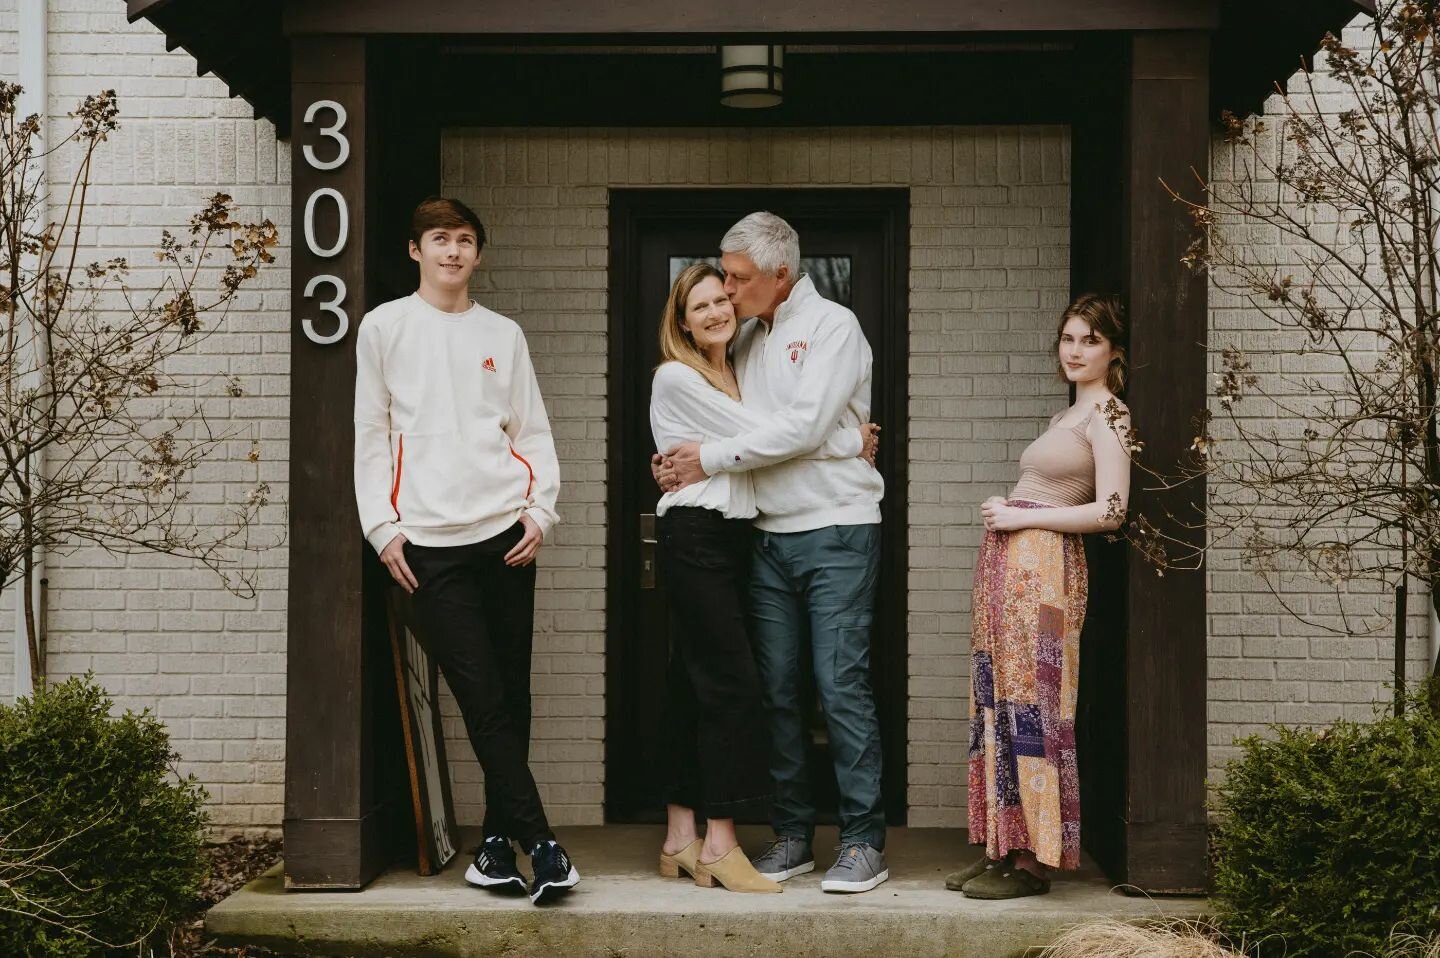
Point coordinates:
[(647, 550)]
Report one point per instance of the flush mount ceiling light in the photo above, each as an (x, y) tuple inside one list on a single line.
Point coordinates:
[(752, 77)]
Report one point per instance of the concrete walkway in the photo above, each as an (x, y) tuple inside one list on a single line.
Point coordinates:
[(623, 909)]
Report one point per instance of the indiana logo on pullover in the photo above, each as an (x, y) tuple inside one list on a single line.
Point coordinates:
[(443, 454)]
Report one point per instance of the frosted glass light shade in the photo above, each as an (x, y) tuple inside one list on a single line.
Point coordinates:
[(752, 76)]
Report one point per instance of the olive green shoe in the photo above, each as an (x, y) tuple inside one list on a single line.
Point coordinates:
[(1007, 881), (980, 866)]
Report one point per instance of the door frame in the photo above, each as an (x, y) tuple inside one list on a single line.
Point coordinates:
[(630, 211)]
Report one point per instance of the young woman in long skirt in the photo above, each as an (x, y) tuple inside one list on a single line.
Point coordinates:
[(1028, 608)]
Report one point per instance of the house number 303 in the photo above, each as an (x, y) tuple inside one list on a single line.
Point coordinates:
[(325, 194)]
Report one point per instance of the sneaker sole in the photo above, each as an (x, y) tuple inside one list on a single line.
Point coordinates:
[(789, 873), (479, 879), (550, 889), (851, 887)]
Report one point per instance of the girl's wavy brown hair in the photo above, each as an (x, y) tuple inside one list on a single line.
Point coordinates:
[(1106, 317)]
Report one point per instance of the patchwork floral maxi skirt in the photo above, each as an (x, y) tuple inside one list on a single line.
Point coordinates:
[(1029, 605)]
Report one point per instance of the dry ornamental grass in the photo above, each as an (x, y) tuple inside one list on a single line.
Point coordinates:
[(1176, 938)]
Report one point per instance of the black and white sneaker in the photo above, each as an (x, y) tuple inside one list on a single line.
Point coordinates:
[(494, 868), (554, 874)]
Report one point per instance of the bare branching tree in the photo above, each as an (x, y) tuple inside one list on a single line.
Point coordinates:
[(1322, 453), (99, 440)]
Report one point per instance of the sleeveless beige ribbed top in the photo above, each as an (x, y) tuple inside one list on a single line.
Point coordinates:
[(1058, 469)]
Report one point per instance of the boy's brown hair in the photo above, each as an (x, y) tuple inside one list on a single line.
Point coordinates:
[(441, 212)]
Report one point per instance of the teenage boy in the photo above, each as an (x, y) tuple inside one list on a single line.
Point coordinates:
[(456, 479), (804, 362)]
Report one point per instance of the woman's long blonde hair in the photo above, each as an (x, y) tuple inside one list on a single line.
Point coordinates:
[(676, 343)]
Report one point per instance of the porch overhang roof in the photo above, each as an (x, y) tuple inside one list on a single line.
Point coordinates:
[(246, 43)]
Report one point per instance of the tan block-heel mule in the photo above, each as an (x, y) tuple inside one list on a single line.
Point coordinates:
[(685, 860), (735, 872)]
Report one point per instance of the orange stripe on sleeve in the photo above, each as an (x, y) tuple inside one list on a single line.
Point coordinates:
[(399, 470), (531, 485)]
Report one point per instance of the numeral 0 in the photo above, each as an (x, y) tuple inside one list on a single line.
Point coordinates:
[(343, 233)]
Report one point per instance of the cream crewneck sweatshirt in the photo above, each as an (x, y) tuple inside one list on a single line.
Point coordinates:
[(452, 444), (684, 407), (806, 374)]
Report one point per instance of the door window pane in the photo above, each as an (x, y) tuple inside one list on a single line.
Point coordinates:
[(677, 263), (830, 274)]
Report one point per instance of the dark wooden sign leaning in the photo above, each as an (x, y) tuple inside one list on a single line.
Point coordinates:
[(417, 678)]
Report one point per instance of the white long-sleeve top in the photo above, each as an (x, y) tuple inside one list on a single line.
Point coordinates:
[(807, 374), (452, 444), (684, 407)]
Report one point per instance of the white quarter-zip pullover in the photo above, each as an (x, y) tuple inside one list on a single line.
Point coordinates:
[(685, 407), (807, 375), (452, 444)]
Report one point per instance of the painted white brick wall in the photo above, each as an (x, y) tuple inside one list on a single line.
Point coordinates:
[(989, 272), (157, 632)]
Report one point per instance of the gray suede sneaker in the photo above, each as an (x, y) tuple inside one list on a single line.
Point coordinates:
[(785, 858), (859, 868)]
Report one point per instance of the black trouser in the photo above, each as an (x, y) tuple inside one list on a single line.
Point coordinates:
[(477, 615), (715, 742)]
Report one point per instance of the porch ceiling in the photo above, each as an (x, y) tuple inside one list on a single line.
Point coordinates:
[(1257, 44)]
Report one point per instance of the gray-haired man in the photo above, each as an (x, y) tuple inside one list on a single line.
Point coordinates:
[(804, 361)]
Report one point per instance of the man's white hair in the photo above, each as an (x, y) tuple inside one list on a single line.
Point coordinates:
[(768, 240)]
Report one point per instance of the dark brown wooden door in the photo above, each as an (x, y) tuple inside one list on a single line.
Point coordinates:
[(852, 245)]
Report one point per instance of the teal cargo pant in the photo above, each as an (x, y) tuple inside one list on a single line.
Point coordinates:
[(818, 587)]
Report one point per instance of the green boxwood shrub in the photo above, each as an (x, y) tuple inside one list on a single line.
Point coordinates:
[(1328, 841), (100, 843)]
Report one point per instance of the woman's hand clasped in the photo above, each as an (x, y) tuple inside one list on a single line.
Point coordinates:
[(663, 472), (1002, 518), (869, 441)]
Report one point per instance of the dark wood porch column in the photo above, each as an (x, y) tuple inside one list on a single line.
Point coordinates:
[(347, 804), (1097, 253), (340, 691), (1167, 135)]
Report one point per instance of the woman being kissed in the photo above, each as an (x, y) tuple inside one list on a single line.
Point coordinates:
[(715, 754)]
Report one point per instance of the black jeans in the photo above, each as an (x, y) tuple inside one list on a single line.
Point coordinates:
[(715, 743), (476, 615)]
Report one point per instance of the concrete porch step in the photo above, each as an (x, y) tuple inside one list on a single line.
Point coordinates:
[(623, 909)]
